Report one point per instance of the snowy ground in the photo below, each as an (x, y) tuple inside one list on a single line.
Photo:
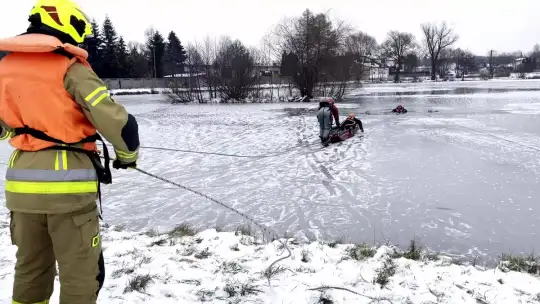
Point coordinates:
[(459, 172), (229, 267)]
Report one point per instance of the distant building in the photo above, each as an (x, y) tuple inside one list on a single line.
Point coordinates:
[(267, 70)]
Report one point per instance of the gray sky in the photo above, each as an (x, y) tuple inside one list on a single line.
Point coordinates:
[(502, 25)]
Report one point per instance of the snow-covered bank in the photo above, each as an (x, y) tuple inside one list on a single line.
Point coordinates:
[(228, 267)]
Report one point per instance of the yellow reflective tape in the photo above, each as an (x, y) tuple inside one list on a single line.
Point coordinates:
[(95, 241), (126, 154), (6, 136), (57, 162), (94, 93), (64, 160), (51, 187), (99, 99), (12, 158), (42, 302)]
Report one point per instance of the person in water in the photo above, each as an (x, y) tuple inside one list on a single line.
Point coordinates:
[(352, 122), (400, 110), (326, 114)]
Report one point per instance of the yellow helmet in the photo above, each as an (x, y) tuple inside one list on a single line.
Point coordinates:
[(64, 16)]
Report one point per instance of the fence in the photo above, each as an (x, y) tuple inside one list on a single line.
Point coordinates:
[(135, 83)]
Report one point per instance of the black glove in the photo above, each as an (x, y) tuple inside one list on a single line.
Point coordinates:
[(120, 165)]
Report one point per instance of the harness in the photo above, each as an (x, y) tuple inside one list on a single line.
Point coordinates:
[(103, 171)]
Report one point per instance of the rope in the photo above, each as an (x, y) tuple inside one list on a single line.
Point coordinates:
[(225, 154), (251, 220), (202, 152)]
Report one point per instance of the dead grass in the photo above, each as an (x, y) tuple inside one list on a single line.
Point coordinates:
[(361, 252), (204, 254), (384, 273), (414, 251), (246, 230), (231, 267), (334, 243), (183, 230), (151, 233), (271, 272), (235, 288), (191, 282), (122, 271), (306, 256), (119, 228), (324, 298), (528, 264), (160, 242), (139, 283)]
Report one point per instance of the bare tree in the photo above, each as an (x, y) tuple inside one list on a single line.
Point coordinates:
[(258, 61), (188, 88), (396, 46), (362, 46), (436, 39), (410, 62), (310, 40), (235, 69), (267, 60), (208, 53), (465, 62), (447, 57)]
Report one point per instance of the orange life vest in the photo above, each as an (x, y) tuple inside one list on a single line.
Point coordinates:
[(32, 92)]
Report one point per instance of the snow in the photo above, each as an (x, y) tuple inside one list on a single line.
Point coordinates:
[(201, 268)]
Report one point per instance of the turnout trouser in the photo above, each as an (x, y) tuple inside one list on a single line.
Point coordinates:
[(71, 239)]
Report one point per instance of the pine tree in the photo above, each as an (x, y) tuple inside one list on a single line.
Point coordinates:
[(138, 63), (110, 58), (122, 55), (156, 53), (93, 46), (175, 55)]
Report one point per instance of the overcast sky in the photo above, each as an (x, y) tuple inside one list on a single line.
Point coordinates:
[(502, 25)]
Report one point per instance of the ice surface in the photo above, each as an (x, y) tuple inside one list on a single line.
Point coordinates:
[(405, 173), (459, 171)]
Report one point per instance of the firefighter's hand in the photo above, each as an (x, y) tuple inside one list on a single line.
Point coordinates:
[(120, 165)]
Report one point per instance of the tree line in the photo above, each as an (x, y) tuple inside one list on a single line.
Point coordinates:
[(315, 54), (111, 57)]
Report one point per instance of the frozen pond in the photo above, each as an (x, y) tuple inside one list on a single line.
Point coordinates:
[(455, 178)]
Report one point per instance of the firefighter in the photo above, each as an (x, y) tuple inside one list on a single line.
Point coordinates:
[(326, 114), (52, 106)]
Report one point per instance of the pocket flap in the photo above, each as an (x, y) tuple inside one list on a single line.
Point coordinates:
[(81, 219)]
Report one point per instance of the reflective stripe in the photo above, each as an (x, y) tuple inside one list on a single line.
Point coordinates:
[(94, 93), (126, 154), (42, 302), (51, 187), (57, 162), (64, 160), (51, 175), (99, 99), (12, 158), (60, 163), (6, 136)]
